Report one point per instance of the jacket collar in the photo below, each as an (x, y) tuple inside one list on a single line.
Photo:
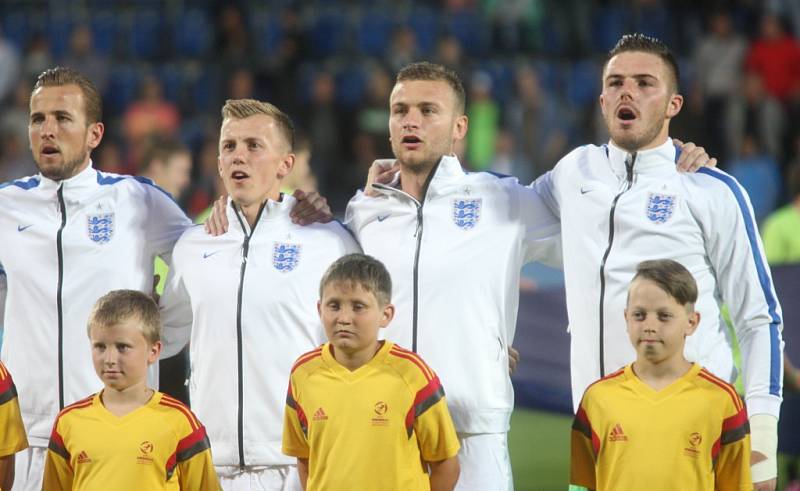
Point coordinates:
[(447, 171), (74, 187), (659, 159), (273, 210)]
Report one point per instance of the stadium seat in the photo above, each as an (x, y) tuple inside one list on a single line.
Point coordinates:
[(171, 77), (582, 83), (328, 34), (122, 86), (502, 75), (350, 85), (374, 32), (425, 25), (470, 30), (17, 29), (192, 34), (104, 28), (609, 25), (59, 29), (267, 31), (144, 41)]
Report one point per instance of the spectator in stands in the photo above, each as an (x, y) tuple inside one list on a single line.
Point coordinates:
[(484, 120), (775, 55), (37, 57), (9, 67), (83, 57), (781, 232), (14, 118), (149, 114), (403, 48), (757, 113), (757, 171), (718, 62), (168, 163)]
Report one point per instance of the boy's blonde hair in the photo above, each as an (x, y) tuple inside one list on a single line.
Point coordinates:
[(244, 108), (362, 270), (120, 305), (672, 277)]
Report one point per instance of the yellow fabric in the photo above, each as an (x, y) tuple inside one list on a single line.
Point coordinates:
[(12, 432), (367, 429), (159, 446), (691, 435)]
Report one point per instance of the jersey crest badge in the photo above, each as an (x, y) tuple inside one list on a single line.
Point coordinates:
[(285, 256), (100, 227), (660, 207), (466, 212)]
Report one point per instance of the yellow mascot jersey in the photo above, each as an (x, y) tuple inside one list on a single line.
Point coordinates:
[(370, 428), (12, 432), (159, 446), (693, 434)]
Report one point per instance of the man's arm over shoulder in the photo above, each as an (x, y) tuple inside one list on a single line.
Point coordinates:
[(175, 304)]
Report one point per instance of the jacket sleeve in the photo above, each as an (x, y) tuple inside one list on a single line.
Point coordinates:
[(166, 222), (176, 313), (542, 227), (744, 280)]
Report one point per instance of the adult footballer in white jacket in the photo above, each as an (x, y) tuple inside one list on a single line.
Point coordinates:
[(625, 202), (247, 299)]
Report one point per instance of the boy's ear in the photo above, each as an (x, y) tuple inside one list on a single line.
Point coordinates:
[(319, 308), (694, 321), (155, 351), (388, 315)]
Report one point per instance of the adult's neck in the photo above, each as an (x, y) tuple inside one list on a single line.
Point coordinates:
[(251, 210), (415, 180), (796, 202), (122, 402), (661, 375), (654, 143)]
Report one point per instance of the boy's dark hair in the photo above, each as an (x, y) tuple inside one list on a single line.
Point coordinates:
[(646, 44), (60, 76), (424, 70), (672, 277), (120, 305), (360, 269)]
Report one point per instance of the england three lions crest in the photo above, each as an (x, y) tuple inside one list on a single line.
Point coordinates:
[(466, 212), (285, 256), (100, 227), (660, 207)]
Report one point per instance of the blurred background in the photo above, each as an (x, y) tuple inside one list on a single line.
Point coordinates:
[(531, 69)]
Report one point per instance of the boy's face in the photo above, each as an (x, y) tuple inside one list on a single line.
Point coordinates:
[(352, 317), (121, 354), (657, 323)]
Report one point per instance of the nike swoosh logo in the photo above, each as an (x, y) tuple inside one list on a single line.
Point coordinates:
[(206, 255), (20, 228), (383, 217), (586, 190)]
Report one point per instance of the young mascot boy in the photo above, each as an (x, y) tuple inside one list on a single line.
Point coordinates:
[(12, 432), (364, 414), (128, 436), (661, 422)]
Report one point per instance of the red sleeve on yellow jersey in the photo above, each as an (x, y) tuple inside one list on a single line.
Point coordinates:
[(731, 452), (12, 432), (585, 445), (295, 426), (58, 473)]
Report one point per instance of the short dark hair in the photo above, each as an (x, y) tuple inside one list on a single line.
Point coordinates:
[(244, 108), (362, 270), (60, 76), (672, 277), (424, 70), (161, 148), (120, 305), (646, 44)]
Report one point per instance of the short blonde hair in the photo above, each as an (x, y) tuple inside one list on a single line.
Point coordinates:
[(120, 305), (244, 108)]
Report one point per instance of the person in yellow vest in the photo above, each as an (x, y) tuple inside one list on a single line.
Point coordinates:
[(661, 422)]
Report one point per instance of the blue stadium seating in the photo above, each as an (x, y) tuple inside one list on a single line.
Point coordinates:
[(144, 41), (192, 34), (374, 32), (104, 28)]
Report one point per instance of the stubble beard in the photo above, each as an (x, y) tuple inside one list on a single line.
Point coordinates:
[(65, 170)]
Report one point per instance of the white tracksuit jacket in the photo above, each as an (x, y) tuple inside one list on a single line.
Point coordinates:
[(613, 217), (455, 262), (64, 245), (248, 300)]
